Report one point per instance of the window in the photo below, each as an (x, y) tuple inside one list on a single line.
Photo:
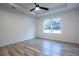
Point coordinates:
[(52, 25)]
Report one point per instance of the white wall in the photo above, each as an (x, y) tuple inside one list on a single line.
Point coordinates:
[(77, 26), (15, 27), (70, 21)]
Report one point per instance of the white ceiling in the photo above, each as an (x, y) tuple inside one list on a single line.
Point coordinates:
[(53, 8)]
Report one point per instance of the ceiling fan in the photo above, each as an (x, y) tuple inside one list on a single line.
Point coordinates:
[(37, 7)]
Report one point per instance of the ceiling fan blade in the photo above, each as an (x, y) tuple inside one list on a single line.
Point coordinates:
[(32, 9), (43, 8)]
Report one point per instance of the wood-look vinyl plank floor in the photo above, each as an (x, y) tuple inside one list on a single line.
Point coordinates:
[(40, 47)]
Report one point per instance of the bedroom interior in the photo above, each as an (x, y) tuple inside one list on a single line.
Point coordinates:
[(39, 29)]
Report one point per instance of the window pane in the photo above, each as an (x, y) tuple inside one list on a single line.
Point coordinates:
[(47, 26), (56, 25)]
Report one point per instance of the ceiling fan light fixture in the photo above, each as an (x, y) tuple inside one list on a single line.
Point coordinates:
[(37, 8)]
